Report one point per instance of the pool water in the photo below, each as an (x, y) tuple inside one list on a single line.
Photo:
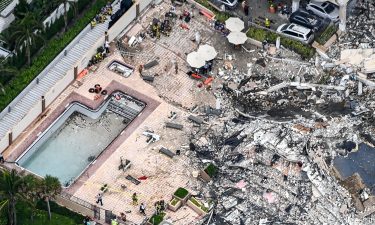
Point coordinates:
[(75, 145), (66, 150)]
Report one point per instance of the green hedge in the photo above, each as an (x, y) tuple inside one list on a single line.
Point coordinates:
[(260, 34), (181, 193), (326, 34), (156, 219), (51, 50), (55, 208), (220, 16)]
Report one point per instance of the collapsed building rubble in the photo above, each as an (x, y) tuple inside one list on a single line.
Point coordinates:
[(278, 136), (278, 128)]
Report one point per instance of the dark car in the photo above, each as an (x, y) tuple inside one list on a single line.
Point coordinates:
[(308, 20)]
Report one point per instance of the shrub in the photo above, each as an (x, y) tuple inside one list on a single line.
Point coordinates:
[(220, 16), (157, 218), (211, 170), (82, 4), (46, 55), (174, 201), (326, 34), (104, 188), (54, 28), (197, 203), (260, 34), (181, 193)]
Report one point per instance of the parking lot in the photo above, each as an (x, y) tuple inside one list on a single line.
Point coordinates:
[(260, 10)]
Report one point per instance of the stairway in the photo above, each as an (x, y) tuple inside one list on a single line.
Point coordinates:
[(50, 78)]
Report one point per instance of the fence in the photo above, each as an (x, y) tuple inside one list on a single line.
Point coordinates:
[(88, 209), (80, 64)]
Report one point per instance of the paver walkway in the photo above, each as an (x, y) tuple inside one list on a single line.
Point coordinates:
[(56, 73)]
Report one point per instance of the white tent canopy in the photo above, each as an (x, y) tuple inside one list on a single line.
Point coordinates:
[(195, 60), (237, 38), (207, 52), (234, 24)]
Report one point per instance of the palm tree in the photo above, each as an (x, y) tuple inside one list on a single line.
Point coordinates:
[(5, 71), (50, 187), (21, 9), (10, 192), (31, 187), (71, 4), (27, 33)]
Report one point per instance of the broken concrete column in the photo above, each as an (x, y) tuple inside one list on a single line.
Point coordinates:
[(362, 77), (295, 5), (316, 61), (360, 88), (342, 14), (174, 126), (278, 43)]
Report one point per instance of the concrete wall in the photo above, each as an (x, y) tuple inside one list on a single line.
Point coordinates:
[(55, 91), (74, 206), (57, 13), (7, 16), (123, 22), (27, 120), (4, 143), (113, 32), (143, 4), (81, 63)]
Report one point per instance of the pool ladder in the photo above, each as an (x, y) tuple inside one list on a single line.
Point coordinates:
[(69, 182), (124, 111)]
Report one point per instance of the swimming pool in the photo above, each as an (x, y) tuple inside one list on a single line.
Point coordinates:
[(78, 136)]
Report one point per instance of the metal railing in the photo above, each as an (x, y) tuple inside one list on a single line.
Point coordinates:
[(77, 200)]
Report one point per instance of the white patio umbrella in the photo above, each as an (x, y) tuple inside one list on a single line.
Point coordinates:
[(207, 52), (195, 60), (237, 38), (234, 24)]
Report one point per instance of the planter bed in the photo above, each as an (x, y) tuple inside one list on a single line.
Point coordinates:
[(197, 206), (208, 172), (174, 204), (182, 194)]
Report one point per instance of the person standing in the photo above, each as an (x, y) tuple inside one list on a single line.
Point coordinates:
[(135, 199), (106, 36), (142, 209), (267, 23), (106, 46), (176, 67), (99, 198)]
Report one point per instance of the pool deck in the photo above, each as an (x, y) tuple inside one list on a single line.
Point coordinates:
[(165, 175), (170, 92)]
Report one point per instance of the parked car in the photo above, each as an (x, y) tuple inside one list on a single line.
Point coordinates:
[(309, 20), (296, 32), (324, 10), (230, 4)]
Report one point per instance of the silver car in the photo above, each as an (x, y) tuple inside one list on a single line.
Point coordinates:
[(231, 4), (324, 10), (296, 32)]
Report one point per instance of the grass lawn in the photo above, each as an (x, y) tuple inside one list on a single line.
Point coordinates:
[(41, 216)]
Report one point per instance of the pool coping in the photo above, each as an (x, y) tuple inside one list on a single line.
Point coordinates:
[(113, 86)]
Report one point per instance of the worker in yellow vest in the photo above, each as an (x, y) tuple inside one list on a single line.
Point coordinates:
[(114, 222), (267, 23)]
